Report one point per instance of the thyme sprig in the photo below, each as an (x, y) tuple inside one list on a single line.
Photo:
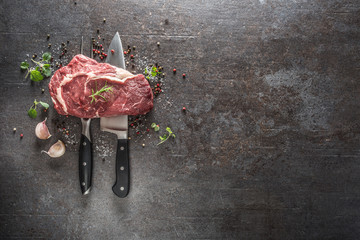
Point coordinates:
[(97, 92)]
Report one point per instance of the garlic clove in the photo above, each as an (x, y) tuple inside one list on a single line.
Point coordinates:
[(42, 131), (56, 150)]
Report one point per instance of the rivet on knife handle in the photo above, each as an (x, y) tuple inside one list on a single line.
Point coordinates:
[(121, 187), (85, 164)]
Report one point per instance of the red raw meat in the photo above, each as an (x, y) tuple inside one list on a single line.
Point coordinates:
[(71, 89)]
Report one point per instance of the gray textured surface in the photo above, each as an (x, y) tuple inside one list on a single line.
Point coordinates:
[(269, 146)]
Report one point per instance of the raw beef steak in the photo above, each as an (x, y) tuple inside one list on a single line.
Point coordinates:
[(78, 90)]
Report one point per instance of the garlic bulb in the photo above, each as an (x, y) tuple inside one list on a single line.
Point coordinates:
[(56, 150), (42, 131)]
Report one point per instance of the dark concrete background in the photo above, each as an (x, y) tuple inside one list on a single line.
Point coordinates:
[(268, 148)]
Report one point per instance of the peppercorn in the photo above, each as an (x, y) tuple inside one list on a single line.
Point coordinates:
[(97, 30), (127, 63), (125, 52), (174, 70), (132, 56), (158, 44), (133, 66), (42, 90), (184, 75), (48, 36), (134, 47), (21, 135), (67, 41), (143, 144), (101, 58), (49, 45), (112, 50), (14, 129), (104, 20), (184, 108)]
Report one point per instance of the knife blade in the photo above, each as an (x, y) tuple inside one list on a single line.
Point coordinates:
[(85, 151), (119, 126)]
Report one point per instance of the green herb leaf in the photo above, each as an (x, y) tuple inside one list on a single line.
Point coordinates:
[(44, 104), (105, 88), (46, 65), (46, 72), (24, 65), (169, 130), (166, 137), (146, 71), (153, 125), (32, 113), (157, 128), (163, 138), (36, 76), (46, 57)]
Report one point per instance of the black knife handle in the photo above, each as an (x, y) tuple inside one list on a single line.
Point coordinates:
[(121, 186), (85, 164)]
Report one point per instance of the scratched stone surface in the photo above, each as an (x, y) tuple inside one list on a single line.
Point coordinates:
[(268, 147)]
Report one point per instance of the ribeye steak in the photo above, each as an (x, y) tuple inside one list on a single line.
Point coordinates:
[(71, 88)]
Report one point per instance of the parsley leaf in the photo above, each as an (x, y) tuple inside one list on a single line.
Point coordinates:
[(166, 136), (46, 57), (32, 113), (155, 127), (46, 72), (36, 76), (40, 70), (24, 65), (44, 104)]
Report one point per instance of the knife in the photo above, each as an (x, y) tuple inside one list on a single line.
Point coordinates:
[(85, 151), (119, 126)]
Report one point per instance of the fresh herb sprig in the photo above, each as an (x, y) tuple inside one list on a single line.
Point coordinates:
[(155, 127), (32, 111), (105, 88), (155, 76), (40, 70), (152, 72), (166, 136)]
